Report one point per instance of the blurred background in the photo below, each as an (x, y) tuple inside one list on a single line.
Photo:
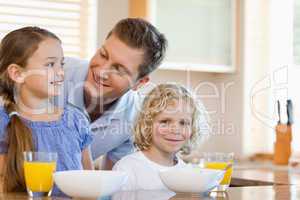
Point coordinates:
[(239, 56)]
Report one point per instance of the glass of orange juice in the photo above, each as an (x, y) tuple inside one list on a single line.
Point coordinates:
[(222, 161), (38, 170)]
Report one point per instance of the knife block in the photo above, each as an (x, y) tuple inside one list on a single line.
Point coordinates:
[(282, 145)]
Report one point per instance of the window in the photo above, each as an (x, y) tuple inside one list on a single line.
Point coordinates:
[(203, 35), (74, 21)]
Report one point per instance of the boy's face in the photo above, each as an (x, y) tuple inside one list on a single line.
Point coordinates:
[(113, 70), (172, 128)]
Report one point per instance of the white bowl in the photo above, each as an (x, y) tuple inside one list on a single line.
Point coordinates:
[(191, 179), (89, 183)]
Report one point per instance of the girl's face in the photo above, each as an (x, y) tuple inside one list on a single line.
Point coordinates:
[(172, 128), (44, 75)]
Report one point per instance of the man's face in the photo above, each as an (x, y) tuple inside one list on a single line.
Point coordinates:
[(113, 70)]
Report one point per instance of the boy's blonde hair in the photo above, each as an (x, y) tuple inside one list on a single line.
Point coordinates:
[(155, 102)]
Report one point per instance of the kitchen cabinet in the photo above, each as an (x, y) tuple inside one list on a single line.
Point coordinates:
[(203, 35)]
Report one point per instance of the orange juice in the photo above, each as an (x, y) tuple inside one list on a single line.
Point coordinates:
[(38, 175), (221, 165)]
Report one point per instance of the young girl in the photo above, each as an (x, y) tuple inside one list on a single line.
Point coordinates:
[(167, 122), (31, 61)]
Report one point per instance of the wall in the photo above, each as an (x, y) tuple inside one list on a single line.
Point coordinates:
[(258, 125), (110, 12), (240, 106), (221, 95), (226, 96)]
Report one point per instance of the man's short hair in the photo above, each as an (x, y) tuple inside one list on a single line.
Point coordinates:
[(140, 34)]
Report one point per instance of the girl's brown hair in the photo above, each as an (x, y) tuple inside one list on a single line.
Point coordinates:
[(16, 48), (155, 102)]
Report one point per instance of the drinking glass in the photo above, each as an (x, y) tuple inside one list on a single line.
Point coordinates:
[(38, 171), (222, 161)]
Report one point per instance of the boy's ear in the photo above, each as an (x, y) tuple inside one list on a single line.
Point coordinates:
[(140, 83), (15, 72)]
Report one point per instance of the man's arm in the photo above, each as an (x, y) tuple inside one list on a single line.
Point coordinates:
[(116, 154), (113, 138)]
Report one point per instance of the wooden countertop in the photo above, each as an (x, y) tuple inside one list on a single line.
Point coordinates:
[(235, 193), (267, 182), (267, 172)]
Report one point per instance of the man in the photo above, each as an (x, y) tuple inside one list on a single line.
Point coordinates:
[(104, 88)]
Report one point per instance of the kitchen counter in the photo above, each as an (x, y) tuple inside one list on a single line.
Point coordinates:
[(262, 180), (266, 172), (235, 193)]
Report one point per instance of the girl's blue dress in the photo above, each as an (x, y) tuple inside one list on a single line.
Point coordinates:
[(68, 137)]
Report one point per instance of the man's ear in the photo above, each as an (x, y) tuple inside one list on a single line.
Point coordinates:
[(15, 72), (140, 83)]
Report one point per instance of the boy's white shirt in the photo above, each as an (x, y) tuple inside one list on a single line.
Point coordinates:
[(143, 174)]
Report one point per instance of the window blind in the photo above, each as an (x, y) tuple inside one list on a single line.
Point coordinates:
[(70, 20)]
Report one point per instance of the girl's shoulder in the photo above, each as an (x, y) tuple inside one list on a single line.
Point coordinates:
[(74, 112), (4, 118), (75, 117), (78, 122), (3, 112)]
